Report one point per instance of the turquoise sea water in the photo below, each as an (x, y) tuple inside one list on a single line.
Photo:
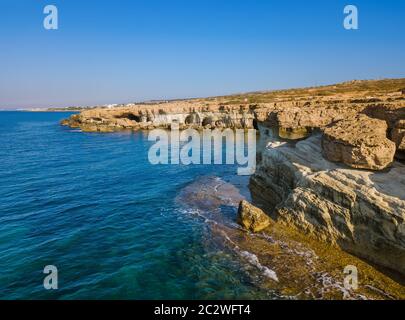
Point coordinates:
[(93, 206)]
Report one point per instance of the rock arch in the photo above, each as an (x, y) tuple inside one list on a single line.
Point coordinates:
[(255, 124), (193, 118), (130, 116), (208, 120)]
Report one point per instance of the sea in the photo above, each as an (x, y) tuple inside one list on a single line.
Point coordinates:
[(88, 216), (113, 225)]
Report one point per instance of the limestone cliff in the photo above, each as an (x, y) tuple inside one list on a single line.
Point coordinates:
[(294, 113), (145, 117), (363, 212)]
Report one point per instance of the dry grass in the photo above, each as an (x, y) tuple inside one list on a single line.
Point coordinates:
[(351, 88)]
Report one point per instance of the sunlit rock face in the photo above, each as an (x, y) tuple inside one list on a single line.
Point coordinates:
[(252, 218), (361, 211), (316, 116), (147, 117), (360, 142)]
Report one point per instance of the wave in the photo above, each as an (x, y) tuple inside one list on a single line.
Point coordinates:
[(254, 260)]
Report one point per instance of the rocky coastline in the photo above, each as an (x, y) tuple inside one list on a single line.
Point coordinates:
[(331, 163)]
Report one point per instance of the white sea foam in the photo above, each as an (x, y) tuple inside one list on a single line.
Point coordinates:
[(251, 258), (329, 283), (254, 260)]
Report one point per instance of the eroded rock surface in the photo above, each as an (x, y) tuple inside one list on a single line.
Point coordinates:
[(361, 211), (147, 117), (359, 142)]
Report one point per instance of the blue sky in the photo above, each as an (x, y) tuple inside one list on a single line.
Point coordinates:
[(122, 51)]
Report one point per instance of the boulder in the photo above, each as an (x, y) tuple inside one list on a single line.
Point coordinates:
[(359, 142), (252, 218)]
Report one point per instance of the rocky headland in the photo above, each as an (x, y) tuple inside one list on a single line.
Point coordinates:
[(331, 163)]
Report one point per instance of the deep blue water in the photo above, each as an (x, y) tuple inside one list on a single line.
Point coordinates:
[(93, 206)]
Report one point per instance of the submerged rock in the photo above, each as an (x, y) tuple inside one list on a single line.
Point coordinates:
[(252, 218), (359, 142)]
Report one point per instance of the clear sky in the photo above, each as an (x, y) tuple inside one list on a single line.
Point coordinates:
[(112, 51)]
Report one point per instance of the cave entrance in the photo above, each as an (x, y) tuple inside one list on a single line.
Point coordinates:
[(193, 118), (255, 124), (207, 121), (130, 116)]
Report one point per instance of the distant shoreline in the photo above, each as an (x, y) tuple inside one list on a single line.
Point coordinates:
[(394, 85), (45, 110)]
